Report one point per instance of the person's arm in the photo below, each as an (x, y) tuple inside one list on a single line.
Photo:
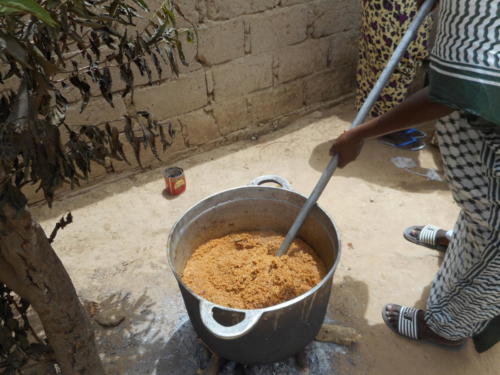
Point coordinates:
[(417, 109)]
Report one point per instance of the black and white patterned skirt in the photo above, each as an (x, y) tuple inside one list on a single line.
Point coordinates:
[(465, 294)]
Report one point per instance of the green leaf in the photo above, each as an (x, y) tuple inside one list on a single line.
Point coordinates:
[(6, 10), (180, 52), (142, 4), (49, 68), (113, 7), (11, 46), (169, 14), (32, 7), (189, 36), (51, 4), (172, 60), (158, 33), (80, 8)]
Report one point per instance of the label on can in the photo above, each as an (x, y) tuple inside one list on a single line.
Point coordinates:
[(175, 181)]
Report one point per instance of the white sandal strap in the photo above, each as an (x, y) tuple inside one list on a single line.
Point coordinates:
[(428, 235), (408, 322), (449, 234)]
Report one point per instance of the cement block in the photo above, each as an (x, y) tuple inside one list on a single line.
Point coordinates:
[(199, 127), (242, 76), (279, 28), (286, 3), (227, 9), (231, 115), (98, 111), (189, 8), (117, 83), (147, 157), (173, 97), (35, 195), (178, 143), (143, 80), (190, 50), (72, 94), (210, 82), (302, 59), (330, 85), (332, 17), (221, 41), (343, 48), (269, 104)]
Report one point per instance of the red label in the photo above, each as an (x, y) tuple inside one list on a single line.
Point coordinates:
[(175, 185)]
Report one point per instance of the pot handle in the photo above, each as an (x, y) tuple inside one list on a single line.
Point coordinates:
[(283, 182), (227, 333)]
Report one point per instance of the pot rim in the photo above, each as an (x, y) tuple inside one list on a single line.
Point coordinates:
[(279, 306)]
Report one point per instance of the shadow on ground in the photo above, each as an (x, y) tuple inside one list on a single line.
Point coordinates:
[(132, 346), (138, 177), (184, 354), (381, 351), (141, 344), (138, 346), (374, 166)]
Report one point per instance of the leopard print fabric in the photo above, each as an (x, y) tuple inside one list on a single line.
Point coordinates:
[(383, 24)]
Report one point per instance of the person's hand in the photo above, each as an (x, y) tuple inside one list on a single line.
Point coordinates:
[(347, 147), (420, 2)]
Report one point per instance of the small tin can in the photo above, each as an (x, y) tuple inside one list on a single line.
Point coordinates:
[(175, 182)]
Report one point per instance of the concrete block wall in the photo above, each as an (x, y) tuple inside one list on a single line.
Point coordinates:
[(257, 63)]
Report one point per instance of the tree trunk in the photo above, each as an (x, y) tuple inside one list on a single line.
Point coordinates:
[(30, 267)]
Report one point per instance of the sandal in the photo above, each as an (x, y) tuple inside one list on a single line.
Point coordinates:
[(409, 327), (403, 140), (426, 237), (415, 133)]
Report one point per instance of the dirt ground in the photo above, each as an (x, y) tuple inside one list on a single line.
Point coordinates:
[(115, 249)]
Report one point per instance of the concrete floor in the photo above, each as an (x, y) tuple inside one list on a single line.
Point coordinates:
[(115, 251)]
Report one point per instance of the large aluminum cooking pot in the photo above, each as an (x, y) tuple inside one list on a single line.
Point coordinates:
[(257, 335)]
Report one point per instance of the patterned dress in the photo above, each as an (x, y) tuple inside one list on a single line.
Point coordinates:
[(383, 24), (465, 74), (465, 294)]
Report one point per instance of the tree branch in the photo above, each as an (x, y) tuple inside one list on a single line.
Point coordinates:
[(60, 225)]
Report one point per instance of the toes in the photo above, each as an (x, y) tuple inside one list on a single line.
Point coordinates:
[(391, 313), (392, 317), (387, 314), (392, 308)]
